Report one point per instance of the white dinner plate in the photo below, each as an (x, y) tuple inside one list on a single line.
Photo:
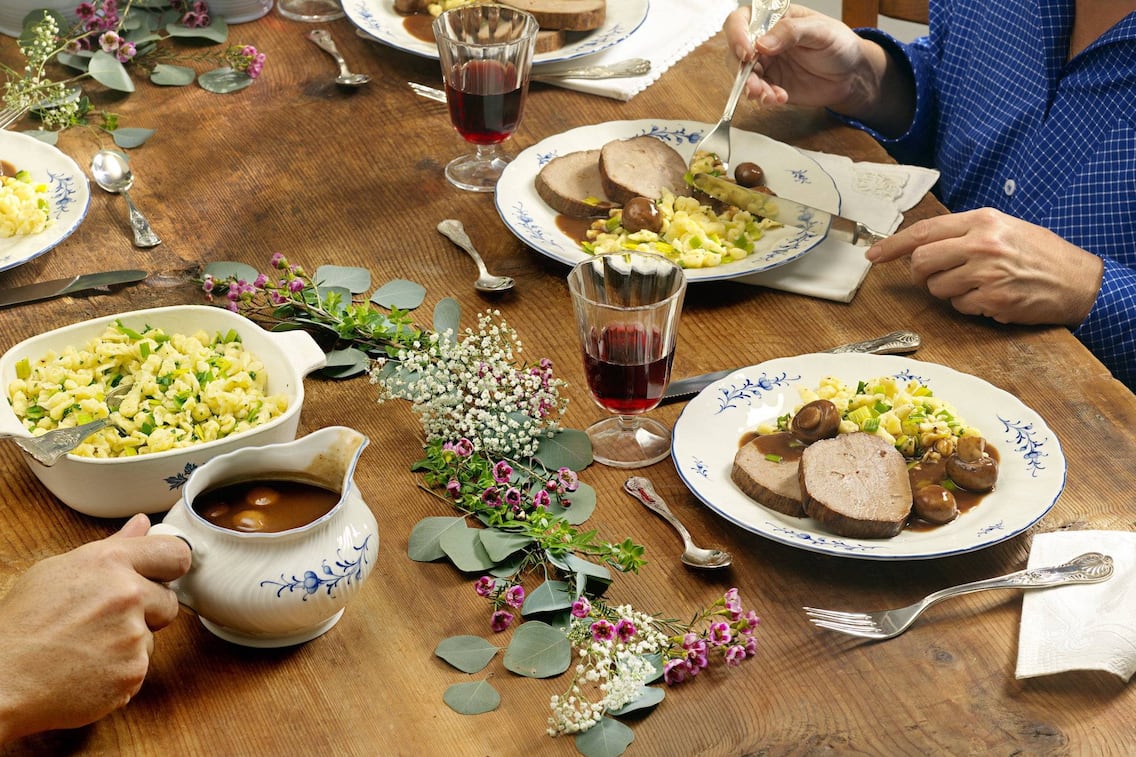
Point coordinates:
[(379, 19), (67, 189), (1030, 477), (788, 172)]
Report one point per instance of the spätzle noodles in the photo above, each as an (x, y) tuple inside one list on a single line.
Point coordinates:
[(905, 413), (184, 390), (24, 206)]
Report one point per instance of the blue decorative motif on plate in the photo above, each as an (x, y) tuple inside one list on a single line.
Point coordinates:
[(327, 577)]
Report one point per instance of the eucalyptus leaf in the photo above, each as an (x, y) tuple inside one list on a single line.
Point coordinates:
[(548, 597), (468, 654), (345, 363), (222, 81), (223, 270), (591, 578), (353, 279), (172, 76), (568, 448), (538, 650), (130, 138), (501, 544), (649, 696), (43, 135), (77, 61), (463, 547), (335, 304), (325, 336), (656, 660), (508, 567), (424, 543), (217, 31), (607, 738), (108, 71), (472, 697), (447, 316), (582, 503), (399, 293)]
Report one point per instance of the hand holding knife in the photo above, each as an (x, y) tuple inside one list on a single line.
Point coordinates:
[(895, 343)]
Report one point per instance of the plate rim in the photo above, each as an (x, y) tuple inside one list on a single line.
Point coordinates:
[(356, 14), (692, 131), (827, 543), (32, 145)]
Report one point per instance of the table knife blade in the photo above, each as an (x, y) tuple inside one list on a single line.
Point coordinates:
[(895, 343), (45, 290), (788, 212)]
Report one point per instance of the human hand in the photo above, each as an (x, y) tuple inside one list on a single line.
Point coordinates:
[(76, 629), (988, 263)]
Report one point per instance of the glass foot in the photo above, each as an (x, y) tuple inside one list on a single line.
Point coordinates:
[(312, 11), (629, 442), (476, 173)]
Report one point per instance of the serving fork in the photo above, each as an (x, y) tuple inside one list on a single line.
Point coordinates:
[(48, 448), (763, 15), (1089, 568)]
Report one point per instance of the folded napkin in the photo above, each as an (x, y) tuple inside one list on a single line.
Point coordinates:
[(1081, 626), (672, 29), (875, 194)]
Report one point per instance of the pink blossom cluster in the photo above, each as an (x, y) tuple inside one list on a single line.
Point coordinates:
[(242, 291), (502, 594), (246, 58), (98, 23), (502, 493), (195, 14), (730, 632)]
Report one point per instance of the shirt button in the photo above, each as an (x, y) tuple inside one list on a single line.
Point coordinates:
[(1009, 187)]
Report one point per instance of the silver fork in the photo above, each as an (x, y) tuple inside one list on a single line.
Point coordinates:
[(48, 448), (9, 116), (1089, 568), (763, 15)]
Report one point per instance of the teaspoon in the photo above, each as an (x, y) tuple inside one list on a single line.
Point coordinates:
[(323, 41), (696, 557), (111, 170), (486, 282)]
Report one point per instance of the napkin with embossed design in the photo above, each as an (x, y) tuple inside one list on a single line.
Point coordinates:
[(1081, 626)]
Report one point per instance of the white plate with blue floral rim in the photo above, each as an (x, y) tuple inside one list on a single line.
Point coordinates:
[(788, 172), (379, 19), (67, 189), (1030, 477)]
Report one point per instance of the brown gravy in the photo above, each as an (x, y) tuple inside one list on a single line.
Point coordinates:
[(7, 169), (420, 26), (574, 228), (781, 444), (265, 505)]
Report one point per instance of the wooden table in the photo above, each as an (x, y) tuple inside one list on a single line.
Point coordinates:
[(295, 165)]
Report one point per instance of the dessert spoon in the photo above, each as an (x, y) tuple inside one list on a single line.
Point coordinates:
[(696, 557), (346, 78), (453, 230), (111, 170)]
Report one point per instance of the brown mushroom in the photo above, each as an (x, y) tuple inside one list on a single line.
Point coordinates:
[(935, 504), (749, 174), (971, 467), (815, 421), (640, 213)]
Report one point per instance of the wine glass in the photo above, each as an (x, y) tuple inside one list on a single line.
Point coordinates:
[(627, 307), (486, 53), (312, 11)]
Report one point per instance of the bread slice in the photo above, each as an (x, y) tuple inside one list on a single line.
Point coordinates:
[(773, 484), (548, 40), (641, 167), (566, 15), (856, 485), (567, 182)]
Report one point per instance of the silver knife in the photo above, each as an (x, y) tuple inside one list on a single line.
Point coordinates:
[(47, 289), (895, 343), (788, 212)]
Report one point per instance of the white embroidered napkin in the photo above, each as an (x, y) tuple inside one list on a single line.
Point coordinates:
[(1083, 626), (671, 30), (872, 193)]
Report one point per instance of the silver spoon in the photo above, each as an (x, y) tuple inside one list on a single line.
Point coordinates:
[(111, 170), (323, 41), (696, 557), (486, 282)]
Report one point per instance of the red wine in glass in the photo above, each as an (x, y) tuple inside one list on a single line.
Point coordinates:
[(625, 371), (486, 101)]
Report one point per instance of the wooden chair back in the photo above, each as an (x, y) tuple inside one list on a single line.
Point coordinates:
[(867, 12)]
